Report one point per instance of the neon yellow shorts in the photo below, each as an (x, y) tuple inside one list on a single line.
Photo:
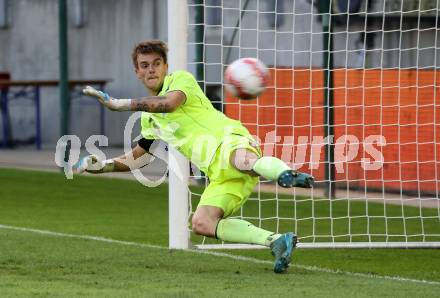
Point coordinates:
[(229, 188)]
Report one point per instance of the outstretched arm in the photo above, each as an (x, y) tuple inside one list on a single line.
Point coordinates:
[(159, 104), (137, 158), (152, 104)]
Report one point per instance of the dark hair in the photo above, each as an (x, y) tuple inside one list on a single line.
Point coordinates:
[(150, 46)]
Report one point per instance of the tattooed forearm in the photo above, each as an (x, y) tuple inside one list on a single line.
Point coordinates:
[(152, 107), (156, 104)]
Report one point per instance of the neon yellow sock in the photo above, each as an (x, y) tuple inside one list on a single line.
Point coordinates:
[(241, 231), (270, 167)]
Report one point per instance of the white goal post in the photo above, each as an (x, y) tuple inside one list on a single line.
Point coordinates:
[(177, 163), (353, 99)]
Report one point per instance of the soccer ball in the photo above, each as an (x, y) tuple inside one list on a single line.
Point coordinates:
[(246, 78)]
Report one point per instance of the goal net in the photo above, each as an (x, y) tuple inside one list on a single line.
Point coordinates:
[(353, 100)]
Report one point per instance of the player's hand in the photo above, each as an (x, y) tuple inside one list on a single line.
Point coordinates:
[(107, 101), (103, 97), (92, 164)]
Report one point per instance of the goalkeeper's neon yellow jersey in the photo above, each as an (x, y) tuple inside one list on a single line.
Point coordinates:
[(196, 128)]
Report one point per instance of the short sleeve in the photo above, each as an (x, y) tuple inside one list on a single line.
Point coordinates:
[(185, 82), (147, 130)]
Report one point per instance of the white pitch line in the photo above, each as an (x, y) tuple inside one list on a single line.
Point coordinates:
[(219, 254)]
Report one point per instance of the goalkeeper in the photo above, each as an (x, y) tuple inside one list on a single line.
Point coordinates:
[(178, 112)]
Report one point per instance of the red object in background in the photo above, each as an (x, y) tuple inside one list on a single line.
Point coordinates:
[(401, 105)]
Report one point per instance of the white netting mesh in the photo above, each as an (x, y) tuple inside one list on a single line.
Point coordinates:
[(375, 90)]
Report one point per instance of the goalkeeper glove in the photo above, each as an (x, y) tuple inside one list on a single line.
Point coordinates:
[(92, 164), (107, 101)]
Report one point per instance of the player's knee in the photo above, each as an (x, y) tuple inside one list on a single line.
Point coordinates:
[(243, 159), (197, 225), (200, 226)]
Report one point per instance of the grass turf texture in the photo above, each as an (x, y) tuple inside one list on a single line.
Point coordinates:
[(42, 265)]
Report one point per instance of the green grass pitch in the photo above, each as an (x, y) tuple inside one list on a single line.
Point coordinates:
[(50, 265)]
